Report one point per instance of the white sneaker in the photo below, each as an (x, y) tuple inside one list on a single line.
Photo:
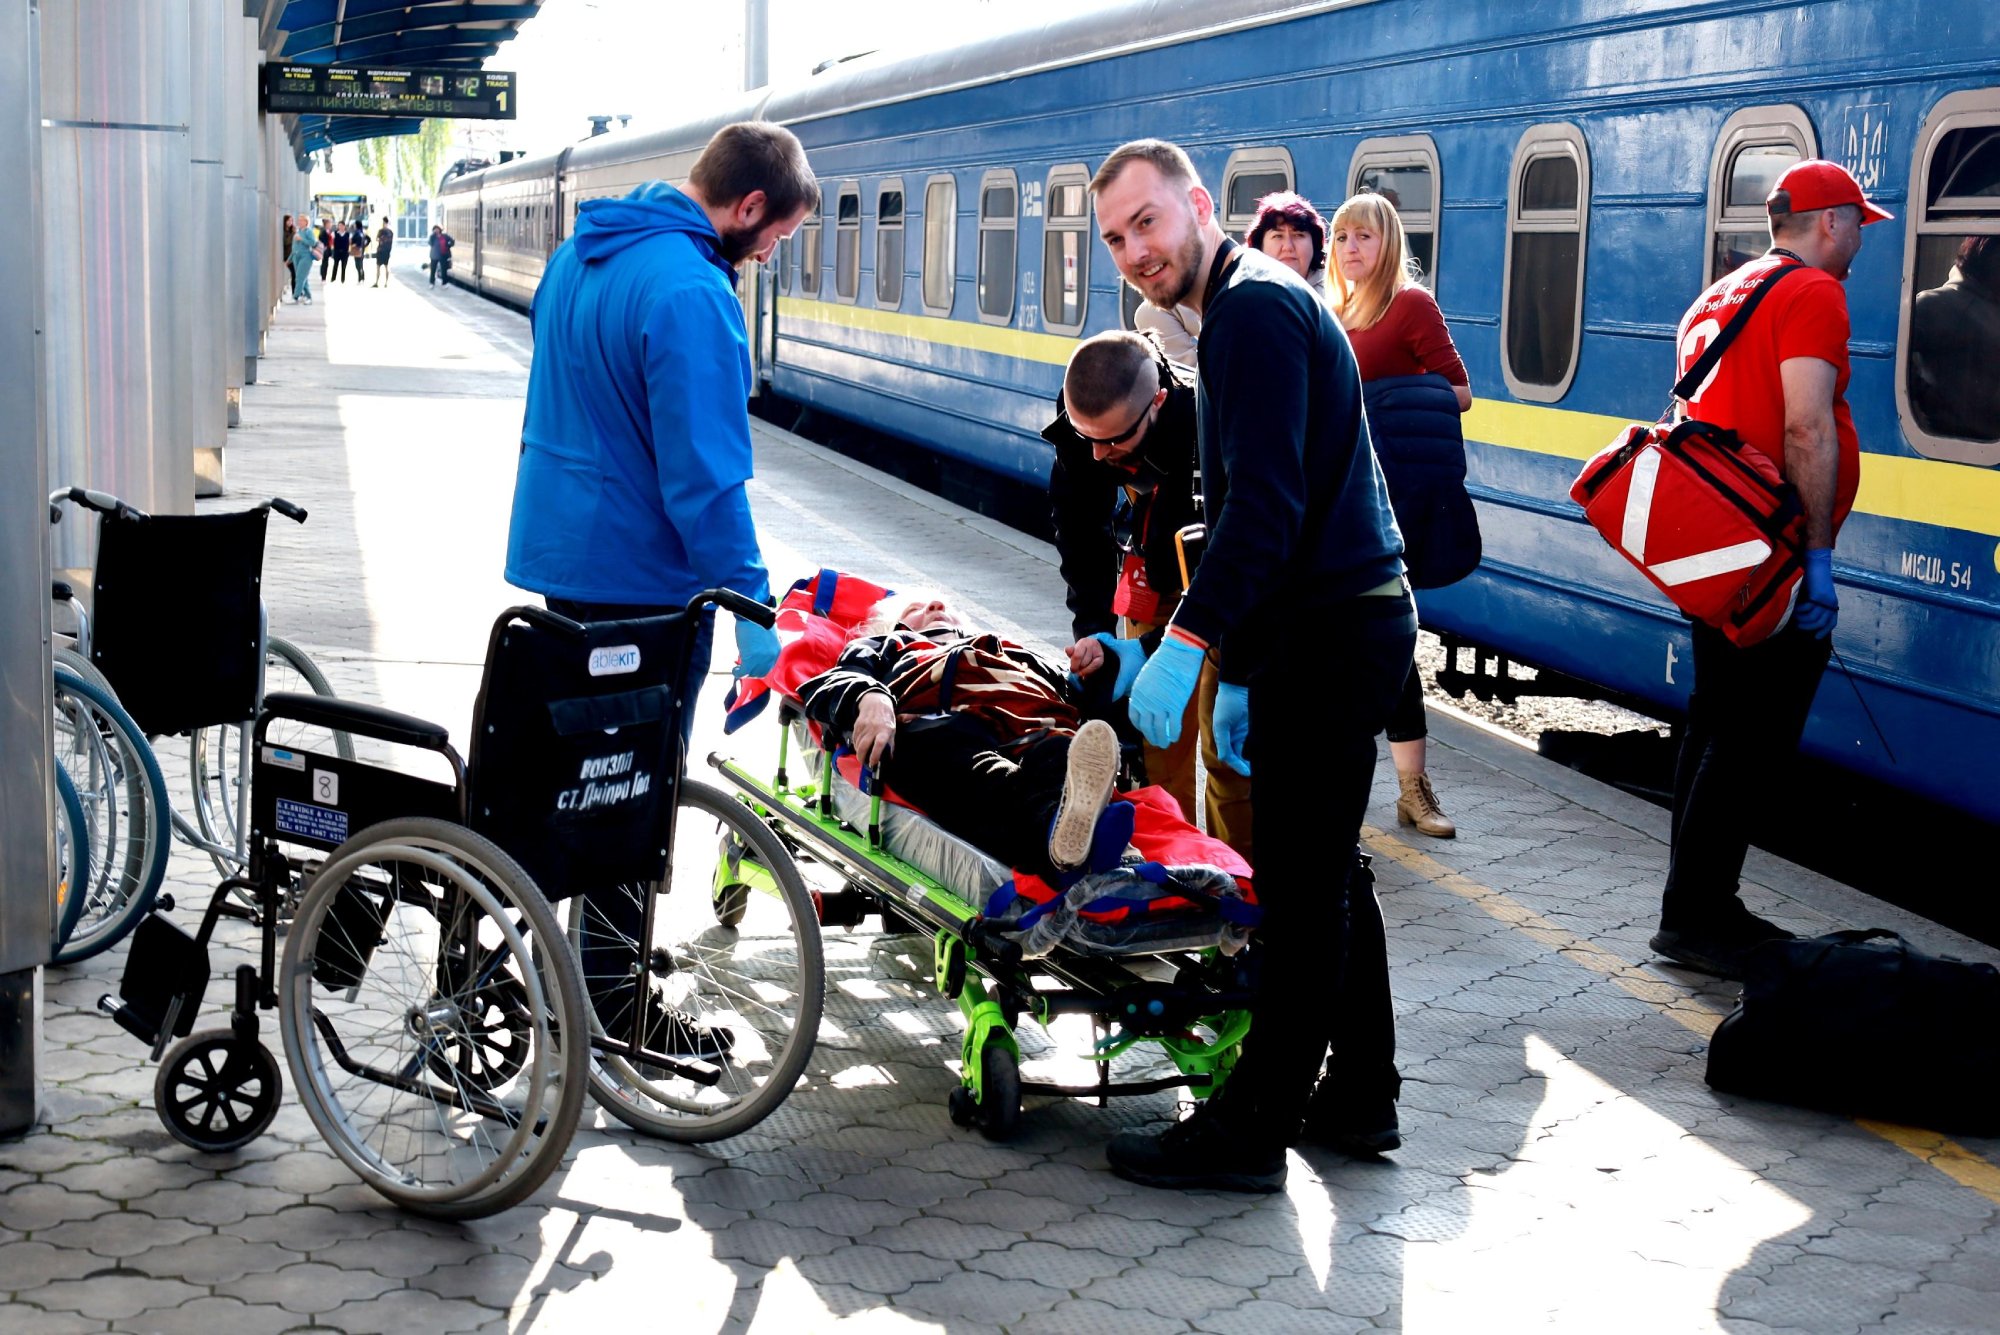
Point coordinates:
[(1093, 768)]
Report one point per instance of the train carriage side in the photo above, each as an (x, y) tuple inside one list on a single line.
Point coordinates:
[(517, 203), (458, 214), (1581, 185)]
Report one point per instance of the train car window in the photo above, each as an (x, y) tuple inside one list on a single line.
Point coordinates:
[(1755, 147), (1248, 176), (847, 243), (1129, 302), (889, 244), (999, 206), (1541, 305), (1948, 335), (1065, 249), (785, 265), (808, 235), (940, 243), (1403, 169)]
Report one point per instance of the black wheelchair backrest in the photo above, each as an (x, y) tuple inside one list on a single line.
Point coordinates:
[(576, 746), (178, 618)]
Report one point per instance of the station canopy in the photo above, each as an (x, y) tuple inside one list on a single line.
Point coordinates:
[(433, 34)]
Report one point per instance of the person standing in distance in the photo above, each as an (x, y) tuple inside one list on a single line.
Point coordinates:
[(1782, 388), (630, 496), (1301, 592), (385, 241)]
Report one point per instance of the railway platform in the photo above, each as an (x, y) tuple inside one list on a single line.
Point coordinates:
[(1565, 1167)]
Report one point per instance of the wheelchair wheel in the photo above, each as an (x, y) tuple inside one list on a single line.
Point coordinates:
[(746, 998), (216, 1091), (84, 668), (213, 751), (427, 1003), (72, 862), (123, 800)]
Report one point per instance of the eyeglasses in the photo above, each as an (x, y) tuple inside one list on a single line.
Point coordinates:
[(1112, 442)]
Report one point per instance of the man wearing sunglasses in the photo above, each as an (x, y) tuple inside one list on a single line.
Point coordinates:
[(1123, 484)]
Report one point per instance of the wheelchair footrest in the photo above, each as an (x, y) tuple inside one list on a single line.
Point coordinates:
[(166, 974)]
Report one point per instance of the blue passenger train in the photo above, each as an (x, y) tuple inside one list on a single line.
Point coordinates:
[(1571, 173)]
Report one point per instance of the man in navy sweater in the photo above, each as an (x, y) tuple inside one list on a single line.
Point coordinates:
[(1301, 595)]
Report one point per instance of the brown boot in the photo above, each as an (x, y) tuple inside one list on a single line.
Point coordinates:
[(1418, 806)]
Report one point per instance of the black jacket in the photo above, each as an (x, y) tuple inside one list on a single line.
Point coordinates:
[(1414, 421), (1298, 513), (1084, 496)]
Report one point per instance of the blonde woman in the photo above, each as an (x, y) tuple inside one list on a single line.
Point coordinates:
[(1415, 386)]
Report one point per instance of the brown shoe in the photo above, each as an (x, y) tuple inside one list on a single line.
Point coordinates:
[(1418, 806)]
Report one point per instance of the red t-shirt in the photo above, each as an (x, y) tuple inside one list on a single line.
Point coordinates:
[(1409, 339), (1806, 316)]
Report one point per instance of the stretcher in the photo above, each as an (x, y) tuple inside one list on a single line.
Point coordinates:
[(1176, 980)]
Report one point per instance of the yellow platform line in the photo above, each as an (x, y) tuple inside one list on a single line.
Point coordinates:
[(1691, 1012)]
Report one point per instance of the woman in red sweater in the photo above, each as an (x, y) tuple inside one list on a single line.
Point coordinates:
[(1396, 330)]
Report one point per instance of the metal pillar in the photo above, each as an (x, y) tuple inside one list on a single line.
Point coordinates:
[(239, 272), (115, 93), (208, 321), (27, 853), (249, 233), (756, 44)]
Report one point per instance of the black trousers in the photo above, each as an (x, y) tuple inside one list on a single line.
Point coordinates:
[(437, 272), (1002, 798), (1406, 720), (339, 268), (1745, 717), (1324, 977), (360, 268), (607, 961)]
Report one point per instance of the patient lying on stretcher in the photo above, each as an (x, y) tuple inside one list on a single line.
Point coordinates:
[(987, 738)]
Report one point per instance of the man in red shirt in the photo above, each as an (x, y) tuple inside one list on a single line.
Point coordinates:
[(1782, 388)]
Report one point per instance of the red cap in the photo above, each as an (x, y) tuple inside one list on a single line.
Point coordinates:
[(1818, 184)]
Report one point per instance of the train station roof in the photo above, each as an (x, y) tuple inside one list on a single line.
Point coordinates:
[(440, 34)]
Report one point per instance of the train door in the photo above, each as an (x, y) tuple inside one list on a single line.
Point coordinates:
[(753, 290)]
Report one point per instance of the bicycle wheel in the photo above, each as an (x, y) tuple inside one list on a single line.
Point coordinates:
[(213, 751), (123, 797), (72, 862), (754, 990), (414, 946)]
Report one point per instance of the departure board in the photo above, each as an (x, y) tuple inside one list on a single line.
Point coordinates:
[(385, 90)]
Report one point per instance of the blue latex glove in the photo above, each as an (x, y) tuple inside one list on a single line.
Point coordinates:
[(1232, 725), (1165, 685), (1129, 655), (1818, 606), (756, 649)]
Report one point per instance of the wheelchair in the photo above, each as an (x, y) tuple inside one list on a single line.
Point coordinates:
[(430, 1002)]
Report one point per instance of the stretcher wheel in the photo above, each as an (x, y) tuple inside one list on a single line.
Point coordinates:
[(216, 1091), (999, 1093), (964, 1108)]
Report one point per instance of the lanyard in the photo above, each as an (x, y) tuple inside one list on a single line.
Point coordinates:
[(1222, 255)]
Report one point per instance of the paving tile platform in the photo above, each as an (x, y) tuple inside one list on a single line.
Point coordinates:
[(1565, 1166)]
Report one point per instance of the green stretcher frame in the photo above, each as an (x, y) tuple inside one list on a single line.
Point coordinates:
[(985, 973)]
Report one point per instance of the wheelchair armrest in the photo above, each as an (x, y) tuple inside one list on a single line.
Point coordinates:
[(325, 711)]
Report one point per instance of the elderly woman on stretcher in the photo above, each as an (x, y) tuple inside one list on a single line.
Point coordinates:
[(1005, 750)]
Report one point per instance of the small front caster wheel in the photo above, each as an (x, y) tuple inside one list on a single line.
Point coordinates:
[(964, 1109), (216, 1091), (999, 1110)]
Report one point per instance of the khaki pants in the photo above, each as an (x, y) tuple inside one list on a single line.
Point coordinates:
[(1227, 800)]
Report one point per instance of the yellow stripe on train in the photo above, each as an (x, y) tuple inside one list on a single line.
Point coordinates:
[(1922, 491)]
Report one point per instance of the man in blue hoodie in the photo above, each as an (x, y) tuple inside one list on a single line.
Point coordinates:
[(629, 498)]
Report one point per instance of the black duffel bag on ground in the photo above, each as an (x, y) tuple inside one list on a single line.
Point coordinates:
[(1862, 1023)]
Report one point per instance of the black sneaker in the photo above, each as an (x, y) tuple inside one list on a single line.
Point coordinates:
[(1719, 947), (1199, 1152), (669, 1029), (1363, 1128)]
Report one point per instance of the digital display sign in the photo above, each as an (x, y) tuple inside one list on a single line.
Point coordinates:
[(383, 90)]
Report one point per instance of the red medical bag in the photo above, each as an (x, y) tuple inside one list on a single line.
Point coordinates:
[(1711, 522)]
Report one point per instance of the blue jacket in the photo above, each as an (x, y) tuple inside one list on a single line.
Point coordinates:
[(1298, 514), (1414, 421), (636, 445)]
